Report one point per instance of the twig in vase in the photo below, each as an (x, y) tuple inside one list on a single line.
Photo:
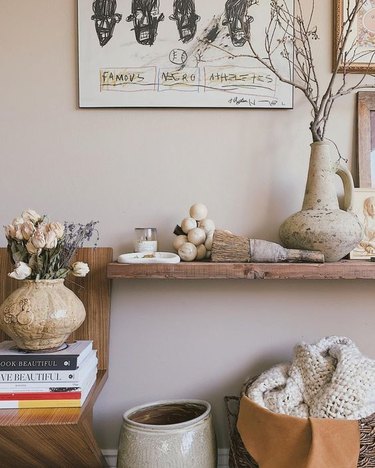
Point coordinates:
[(295, 47)]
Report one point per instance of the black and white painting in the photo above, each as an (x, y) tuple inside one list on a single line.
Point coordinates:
[(177, 53)]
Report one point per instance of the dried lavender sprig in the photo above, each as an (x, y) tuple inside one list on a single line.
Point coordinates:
[(74, 237)]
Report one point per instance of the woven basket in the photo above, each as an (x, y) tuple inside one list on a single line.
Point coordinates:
[(239, 457)]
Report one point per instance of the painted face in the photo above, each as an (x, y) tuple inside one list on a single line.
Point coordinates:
[(370, 206), (145, 18), (238, 21), (186, 19), (105, 17)]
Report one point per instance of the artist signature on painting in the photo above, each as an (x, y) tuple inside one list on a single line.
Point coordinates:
[(250, 102)]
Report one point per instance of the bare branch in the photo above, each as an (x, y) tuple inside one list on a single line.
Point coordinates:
[(290, 36)]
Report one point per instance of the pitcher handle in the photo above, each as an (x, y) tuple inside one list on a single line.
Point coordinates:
[(347, 180)]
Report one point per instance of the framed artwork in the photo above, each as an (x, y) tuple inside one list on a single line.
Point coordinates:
[(360, 47), (364, 207), (366, 139), (181, 53)]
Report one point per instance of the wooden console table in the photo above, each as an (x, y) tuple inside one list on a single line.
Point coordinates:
[(345, 269), (62, 437)]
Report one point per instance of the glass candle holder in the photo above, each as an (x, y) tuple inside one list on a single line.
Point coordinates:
[(145, 240)]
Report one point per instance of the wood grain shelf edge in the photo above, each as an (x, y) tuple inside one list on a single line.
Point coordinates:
[(345, 269)]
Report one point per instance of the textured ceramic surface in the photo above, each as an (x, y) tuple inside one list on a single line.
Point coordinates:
[(174, 434), (41, 314), (321, 224)]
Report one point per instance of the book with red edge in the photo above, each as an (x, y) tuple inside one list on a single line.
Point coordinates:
[(68, 394), (63, 400)]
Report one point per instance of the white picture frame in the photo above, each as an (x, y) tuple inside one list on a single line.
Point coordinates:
[(123, 63), (364, 207)]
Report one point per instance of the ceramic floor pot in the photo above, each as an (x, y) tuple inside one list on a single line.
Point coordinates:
[(321, 224), (40, 315), (168, 434)]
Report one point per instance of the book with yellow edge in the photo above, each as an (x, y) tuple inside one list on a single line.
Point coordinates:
[(49, 403)]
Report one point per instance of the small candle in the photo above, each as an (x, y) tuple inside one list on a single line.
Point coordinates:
[(145, 240)]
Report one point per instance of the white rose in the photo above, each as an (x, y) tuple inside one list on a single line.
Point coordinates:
[(21, 271), (10, 231), (51, 240), (57, 228), (27, 229), (80, 269), (18, 234), (42, 228), (30, 247), (31, 215), (17, 221), (38, 239)]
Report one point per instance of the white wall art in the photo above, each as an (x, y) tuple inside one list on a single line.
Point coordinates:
[(177, 53), (364, 208)]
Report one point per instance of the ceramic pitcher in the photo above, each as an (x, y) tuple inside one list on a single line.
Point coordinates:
[(321, 224)]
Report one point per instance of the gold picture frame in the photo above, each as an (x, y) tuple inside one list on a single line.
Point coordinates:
[(366, 138), (363, 32)]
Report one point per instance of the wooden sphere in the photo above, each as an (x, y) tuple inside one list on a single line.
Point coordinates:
[(187, 224), (187, 252), (196, 236), (209, 239), (207, 225), (179, 241), (201, 252), (198, 211)]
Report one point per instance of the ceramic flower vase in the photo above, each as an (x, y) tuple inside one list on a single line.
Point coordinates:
[(176, 434), (321, 224), (40, 315)]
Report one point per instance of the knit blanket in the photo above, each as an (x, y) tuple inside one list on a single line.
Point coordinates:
[(329, 379)]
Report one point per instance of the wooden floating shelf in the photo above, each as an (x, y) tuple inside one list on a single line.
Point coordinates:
[(345, 269)]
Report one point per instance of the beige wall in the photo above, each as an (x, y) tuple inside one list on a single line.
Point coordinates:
[(146, 167)]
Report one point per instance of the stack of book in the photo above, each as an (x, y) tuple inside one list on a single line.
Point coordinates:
[(62, 378)]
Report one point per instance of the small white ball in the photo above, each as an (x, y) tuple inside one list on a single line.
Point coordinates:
[(179, 241), (208, 253), (207, 225), (201, 252), (209, 240), (187, 252), (198, 211), (196, 236), (187, 224)]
